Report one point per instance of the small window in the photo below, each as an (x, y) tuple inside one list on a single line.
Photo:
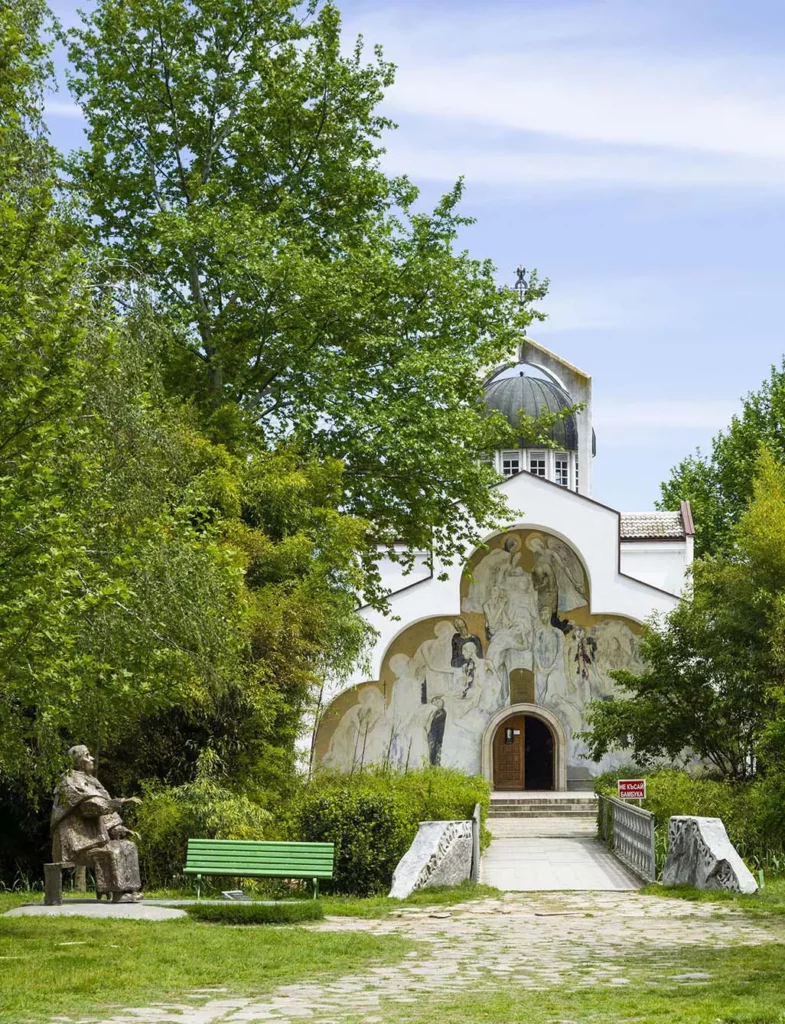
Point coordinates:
[(576, 474), (537, 463), (562, 466), (511, 463)]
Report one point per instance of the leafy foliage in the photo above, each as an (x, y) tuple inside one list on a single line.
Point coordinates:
[(719, 486), (670, 791), (714, 665), (162, 595), (373, 816), (232, 163), (168, 817)]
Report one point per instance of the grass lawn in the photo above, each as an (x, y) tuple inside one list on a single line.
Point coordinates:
[(768, 900), (378, 906), (77, 966), (70, 966)]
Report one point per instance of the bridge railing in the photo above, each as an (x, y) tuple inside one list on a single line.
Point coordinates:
[(629, 833)]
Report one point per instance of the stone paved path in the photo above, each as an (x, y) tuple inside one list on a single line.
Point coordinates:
[(548, 854), (533, 940)]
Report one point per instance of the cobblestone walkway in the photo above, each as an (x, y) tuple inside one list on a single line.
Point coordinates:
[(536, 940)]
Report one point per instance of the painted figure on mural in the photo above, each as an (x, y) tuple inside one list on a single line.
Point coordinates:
[(581, 652), (460, 638), (496, 612), (548, 658), (478, 675), (512, 648), (557, 575), (436, 732), (405, 703), (432, 661), (88, 831), (445, 689), (491, 571), (357, 741)]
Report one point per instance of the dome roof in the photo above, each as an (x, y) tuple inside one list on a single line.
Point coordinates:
[(533, 396)]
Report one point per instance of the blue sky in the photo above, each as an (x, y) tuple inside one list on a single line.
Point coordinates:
[(635, 154)]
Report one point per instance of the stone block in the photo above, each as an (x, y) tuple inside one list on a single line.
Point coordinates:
[(702, 855), (441, 854)]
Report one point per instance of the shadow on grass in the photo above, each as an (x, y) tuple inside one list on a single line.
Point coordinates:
[(378, 906)]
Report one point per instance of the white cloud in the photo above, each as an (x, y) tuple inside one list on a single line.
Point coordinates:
[(61, 108), (635, 99), (603, 169), (590, 93)]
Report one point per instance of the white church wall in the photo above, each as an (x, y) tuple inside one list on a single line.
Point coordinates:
[(590, 528), (392, 572), (662, 564), (547, 522)]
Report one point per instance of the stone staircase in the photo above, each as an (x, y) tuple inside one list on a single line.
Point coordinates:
[(543, 814), (543, 805)]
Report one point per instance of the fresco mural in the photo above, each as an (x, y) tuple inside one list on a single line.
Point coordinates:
[(524, 606)]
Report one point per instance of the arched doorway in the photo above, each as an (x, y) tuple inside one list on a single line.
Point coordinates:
[(547, 754), (523, 754)]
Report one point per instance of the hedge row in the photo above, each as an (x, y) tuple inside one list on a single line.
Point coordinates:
[(257, 913), (371, 816)]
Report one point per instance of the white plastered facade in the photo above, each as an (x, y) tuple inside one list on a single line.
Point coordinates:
[(592, 532), (620, 576), (433, 695)]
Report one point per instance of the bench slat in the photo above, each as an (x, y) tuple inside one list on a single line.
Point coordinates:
[(215, 865), (249, 858), (260, 854), (237, 867), (258, 844), (245, 873), (264, 855)]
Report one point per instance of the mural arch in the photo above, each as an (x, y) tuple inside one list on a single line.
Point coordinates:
[(523, 634)]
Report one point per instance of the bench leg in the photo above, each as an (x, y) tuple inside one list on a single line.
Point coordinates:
[(316, 888), (53, 885), (198, 887)]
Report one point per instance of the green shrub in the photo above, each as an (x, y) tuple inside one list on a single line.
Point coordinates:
[(753, 812), (257, 913), (372, 817), (169, 816)]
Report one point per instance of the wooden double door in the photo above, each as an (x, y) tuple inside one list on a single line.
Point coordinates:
[(523, 754)]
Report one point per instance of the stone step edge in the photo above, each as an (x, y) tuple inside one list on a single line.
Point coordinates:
[(551, 808), (573, 798), (578, 815)]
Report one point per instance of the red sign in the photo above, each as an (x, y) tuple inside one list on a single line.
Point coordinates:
[(632, 789)]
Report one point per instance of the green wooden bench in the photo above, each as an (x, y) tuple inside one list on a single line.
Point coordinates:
[(241, 858)]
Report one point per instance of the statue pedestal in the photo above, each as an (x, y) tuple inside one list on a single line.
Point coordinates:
[(90, 908)]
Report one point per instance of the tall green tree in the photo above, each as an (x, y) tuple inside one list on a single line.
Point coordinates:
[(160, 594), (719, 485), (233, 163), (715, 665)]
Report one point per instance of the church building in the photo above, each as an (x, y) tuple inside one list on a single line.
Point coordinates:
[(490, 669)]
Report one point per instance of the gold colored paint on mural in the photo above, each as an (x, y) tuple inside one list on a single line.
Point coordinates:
[(524, 634)]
